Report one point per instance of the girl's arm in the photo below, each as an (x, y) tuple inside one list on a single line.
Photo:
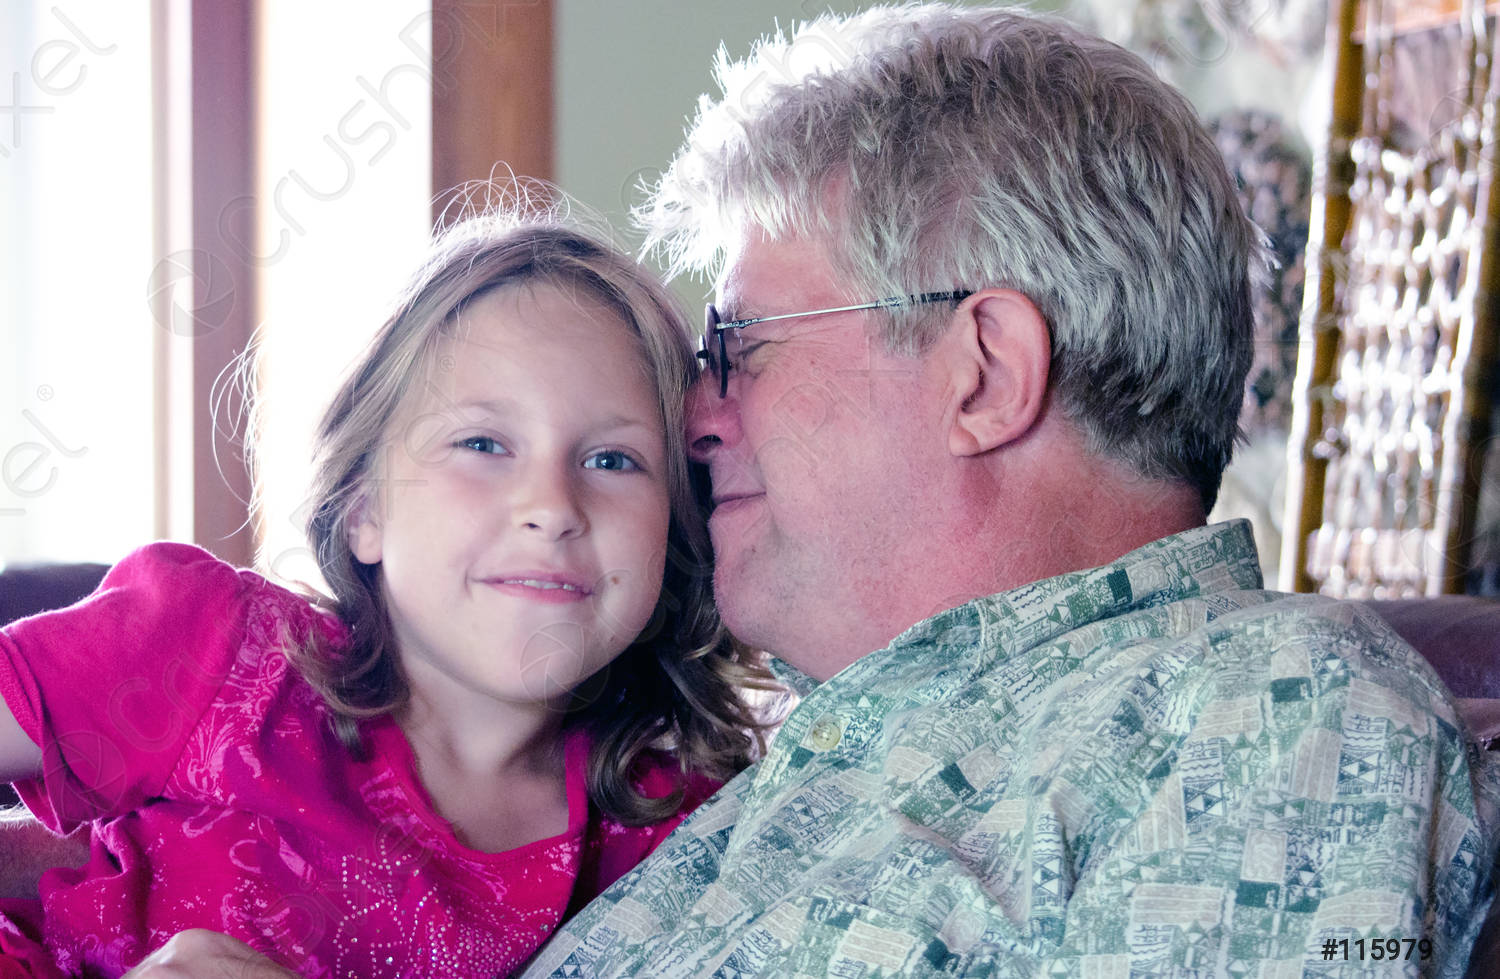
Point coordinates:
[(19, 757), (200, 954), (28, 849), (111, 688)]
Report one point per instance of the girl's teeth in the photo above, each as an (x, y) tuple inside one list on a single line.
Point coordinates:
[(529, 582)]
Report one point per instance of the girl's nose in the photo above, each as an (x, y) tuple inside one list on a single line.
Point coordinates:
[(547, 504)]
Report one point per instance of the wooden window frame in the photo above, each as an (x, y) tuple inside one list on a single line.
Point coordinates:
[(492, 108)]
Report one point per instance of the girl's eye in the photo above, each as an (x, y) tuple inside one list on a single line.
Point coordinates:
[(611, 459), (482, 443)]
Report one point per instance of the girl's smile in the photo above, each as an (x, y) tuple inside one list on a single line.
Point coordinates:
[(541, 586)]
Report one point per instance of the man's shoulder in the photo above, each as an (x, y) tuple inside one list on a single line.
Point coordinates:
[(1249, 640), (1293, 646), (1222, 664)]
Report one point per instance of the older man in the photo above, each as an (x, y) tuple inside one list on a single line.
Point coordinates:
[(973, 373), (975, 362)]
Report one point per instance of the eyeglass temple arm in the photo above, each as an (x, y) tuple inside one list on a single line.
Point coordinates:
[(890, 302)]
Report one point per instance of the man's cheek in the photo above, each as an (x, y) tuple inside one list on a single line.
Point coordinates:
[(786, 461), (803, 411)]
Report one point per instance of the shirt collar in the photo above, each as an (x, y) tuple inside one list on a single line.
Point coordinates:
[(1202, 560)]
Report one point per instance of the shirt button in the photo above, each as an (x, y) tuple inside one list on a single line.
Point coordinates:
[(826, 732)]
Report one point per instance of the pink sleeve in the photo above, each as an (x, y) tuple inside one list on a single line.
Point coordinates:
[(111, 688), (615, 849), (659, 782)]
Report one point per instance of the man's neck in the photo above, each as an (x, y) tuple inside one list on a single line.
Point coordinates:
[(1053, 510)]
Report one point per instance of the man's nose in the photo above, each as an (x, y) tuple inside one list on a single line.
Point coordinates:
[(712, 422)]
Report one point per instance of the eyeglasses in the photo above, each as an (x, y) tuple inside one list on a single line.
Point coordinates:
[(715, 352)]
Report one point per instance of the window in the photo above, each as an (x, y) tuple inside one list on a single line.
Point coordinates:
[(184, 175), (77, 479)]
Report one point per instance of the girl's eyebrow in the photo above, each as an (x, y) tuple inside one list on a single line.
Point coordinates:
[(622, 421), (509, 406), (490, 406)]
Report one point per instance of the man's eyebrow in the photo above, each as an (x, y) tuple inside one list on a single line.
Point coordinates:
[(736, 307), (748, 311)]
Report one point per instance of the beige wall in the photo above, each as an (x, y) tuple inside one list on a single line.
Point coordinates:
[(628, 76)]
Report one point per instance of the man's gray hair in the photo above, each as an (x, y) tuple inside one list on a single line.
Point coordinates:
[(939, 147)]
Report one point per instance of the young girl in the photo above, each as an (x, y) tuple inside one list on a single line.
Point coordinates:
[(424, 783)]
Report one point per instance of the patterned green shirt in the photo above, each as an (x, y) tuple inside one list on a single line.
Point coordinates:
[(1151, 767)]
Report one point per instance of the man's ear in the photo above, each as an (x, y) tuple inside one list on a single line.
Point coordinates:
[(362, 530), (998, 353)]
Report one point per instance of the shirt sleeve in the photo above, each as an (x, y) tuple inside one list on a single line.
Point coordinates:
[(111, 688), (1320, 816)]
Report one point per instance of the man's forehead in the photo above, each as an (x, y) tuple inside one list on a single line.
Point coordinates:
[(746, 247), (760, 269)]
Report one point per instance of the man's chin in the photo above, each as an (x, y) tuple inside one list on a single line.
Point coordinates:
[(742, 605), (735, 528)]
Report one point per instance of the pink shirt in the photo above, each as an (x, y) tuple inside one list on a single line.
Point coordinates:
[(220, 798)]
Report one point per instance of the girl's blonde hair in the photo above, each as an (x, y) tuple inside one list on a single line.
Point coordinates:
[(678, 684)]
